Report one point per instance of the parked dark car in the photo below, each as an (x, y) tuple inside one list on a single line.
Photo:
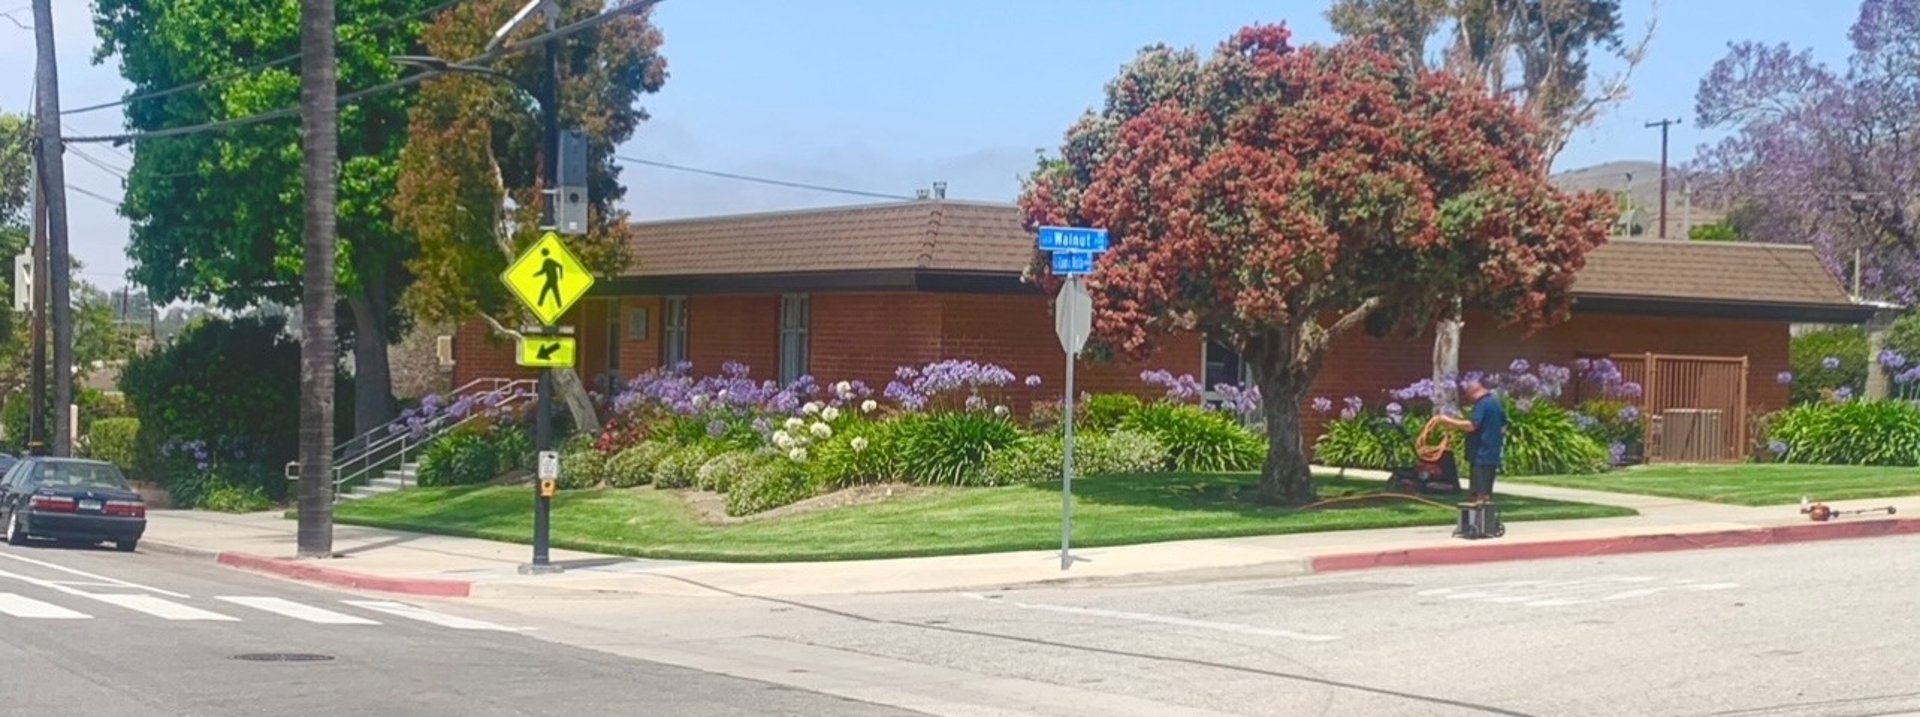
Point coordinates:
[(71, 499)]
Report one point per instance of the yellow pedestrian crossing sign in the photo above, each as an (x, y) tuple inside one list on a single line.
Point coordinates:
[(546, 351), (547, 278)]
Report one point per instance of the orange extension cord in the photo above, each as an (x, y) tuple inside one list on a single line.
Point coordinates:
[(1427, 454)]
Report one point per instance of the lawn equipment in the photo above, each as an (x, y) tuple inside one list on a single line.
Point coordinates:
[(1820, 513), (1434, 471)]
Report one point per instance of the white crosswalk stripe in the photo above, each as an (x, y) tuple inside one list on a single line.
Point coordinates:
[(163, 608), (1541, 593), (413, 613), (297, 611), (23, 606)]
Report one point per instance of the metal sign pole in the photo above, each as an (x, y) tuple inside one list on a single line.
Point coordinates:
[(542, 503), (1066, 473)]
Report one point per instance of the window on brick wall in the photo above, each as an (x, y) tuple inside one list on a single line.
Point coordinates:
[(1221, 364), (793, 337), (673, 331)]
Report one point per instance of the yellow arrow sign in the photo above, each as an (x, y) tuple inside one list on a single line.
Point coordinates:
[(546, 352), (548, 279)]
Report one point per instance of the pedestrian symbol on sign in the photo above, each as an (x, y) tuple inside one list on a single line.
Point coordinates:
[(550, 273)]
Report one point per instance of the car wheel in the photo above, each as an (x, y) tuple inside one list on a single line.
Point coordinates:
[(15, 536), (126, 546)]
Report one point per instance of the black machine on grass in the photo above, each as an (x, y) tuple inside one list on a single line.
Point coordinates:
[(1434, 470)]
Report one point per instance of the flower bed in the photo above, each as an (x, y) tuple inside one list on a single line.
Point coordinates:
[(944, 423), (1544, 436)]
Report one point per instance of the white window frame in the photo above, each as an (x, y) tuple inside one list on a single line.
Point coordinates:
[(673, 330), (796, 318)]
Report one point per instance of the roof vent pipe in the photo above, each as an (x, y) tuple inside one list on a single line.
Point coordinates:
[(939, 190), (920, 194)]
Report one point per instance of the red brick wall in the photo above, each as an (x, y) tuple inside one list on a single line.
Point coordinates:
[(864, 337), (734, 328)]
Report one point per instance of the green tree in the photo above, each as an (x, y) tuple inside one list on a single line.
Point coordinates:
[(1717, 231), (217, 216), (475, 142), (1277, 198)]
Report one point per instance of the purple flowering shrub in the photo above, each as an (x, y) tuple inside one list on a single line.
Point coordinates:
[(1823, 361), (955, 385), (731, 410), (1543, 437)]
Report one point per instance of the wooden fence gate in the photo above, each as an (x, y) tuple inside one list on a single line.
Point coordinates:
[(1696, 406)]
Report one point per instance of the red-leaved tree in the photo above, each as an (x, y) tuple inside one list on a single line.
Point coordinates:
[(1276, 198)]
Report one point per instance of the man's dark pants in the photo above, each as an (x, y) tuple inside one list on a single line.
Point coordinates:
[(1480, 480)]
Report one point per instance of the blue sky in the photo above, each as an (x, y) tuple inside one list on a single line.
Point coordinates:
[(890, 96)]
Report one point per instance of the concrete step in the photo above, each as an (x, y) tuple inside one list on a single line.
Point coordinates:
[(390, 483)]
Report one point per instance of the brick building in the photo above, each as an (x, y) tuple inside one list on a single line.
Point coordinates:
[(853, 292)]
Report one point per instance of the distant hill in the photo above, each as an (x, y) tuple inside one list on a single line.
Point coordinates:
[(1641, 181)]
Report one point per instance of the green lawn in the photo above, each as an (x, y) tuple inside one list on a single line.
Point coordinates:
[(1771, 484), (1108, 511)]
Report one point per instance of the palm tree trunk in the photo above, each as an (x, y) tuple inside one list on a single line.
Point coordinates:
[(320, 143)]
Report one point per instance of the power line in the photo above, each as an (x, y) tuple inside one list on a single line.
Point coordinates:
[(116, 150), (16, 21), (481, 59), (762, 180), (244, 71), (96, 195), (95, 161)]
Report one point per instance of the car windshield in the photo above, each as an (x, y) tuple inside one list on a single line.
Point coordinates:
[(58, 474)]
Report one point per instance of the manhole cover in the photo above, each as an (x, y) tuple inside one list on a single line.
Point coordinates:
[(283, 657), (1327, 589)]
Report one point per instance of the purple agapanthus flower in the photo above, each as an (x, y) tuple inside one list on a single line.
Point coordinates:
[(1830, 363), (1033, 381), (1519, 365), (1322, 404), (1779, 448), (1784, 378), (1843, 393), (1893, 359), (1628, 414)]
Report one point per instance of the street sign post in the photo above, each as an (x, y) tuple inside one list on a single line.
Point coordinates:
[(1072, 251), (546, 351), (547, 279)]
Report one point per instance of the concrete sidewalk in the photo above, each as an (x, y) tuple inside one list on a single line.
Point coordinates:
[(412, 563)]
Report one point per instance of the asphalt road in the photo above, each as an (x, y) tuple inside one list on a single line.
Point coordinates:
[(1817, 630), (105, 634)]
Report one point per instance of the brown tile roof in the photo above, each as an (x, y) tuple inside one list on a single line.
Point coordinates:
[(1709, 271), (947, 235)]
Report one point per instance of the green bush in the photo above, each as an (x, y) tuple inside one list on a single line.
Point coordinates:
[(680, 468), (1807, 356), (1106, 411), (225, 497), (228, 390), (1199, 441), (114, 440), (1038, 459), (1545, 440), (1367, 441), (459, 458), (1867, 433), (767, 485), (582, 469), (513, 446), (1614, 423), (951, 448), (722, 472), (634, 466), (862, 452)]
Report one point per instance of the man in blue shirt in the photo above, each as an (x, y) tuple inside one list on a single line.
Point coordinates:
[(1486, 428)]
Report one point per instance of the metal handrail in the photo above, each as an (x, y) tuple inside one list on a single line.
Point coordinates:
[(399, 444), (493, 385)]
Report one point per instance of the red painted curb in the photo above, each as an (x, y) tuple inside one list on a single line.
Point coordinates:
[(1497, 552), (330, 576)]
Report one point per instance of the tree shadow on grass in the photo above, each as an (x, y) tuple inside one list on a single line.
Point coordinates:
[(1237, 495)]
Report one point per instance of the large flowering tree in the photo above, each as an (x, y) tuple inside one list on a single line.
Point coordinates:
[(1822, 155), (1276, 198)]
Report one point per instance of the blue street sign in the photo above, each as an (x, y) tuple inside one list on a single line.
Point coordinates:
[(1072, 263), (1073, 239)]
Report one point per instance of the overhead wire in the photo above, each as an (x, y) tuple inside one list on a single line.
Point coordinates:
[(250, 69), (347, 98), (761, 180)]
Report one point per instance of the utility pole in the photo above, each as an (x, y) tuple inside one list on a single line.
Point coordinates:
[(1664, 125), (320, 145), (37, 422), (549, 220), (52, 174)]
